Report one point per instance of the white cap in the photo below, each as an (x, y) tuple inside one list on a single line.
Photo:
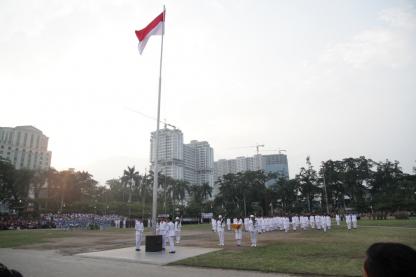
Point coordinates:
[(251, 215), (177, 218), (220, 216)]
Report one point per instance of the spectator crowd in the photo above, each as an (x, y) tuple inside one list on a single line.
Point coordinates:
[(67, 221)]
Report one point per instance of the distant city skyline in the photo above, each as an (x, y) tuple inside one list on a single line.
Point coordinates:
[(192, 162), (324, 79)]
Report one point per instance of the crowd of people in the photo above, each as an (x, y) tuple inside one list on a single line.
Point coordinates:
[(255, 225), (13, 222), (69, 221), (65, 221)]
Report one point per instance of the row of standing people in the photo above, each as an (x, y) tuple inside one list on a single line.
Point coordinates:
[(238, 223), (166, 228), (267, 224)]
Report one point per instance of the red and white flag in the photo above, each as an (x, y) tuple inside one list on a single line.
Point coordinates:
[(156, 27)]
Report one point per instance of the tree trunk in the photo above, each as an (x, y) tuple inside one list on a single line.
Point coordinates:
[(309, 202)]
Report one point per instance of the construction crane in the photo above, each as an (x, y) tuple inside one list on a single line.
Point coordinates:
[(258, 146), (252, 146), (280, 151), (167, 124)]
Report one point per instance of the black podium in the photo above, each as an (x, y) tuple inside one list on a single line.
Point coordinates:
[(153, 243)]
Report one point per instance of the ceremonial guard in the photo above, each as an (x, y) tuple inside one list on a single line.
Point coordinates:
[(139, 233), (170, 233), (337, 219), (328, 222), (286, 224), (214, 224), (220, 230), (252, 228), (228, 224), (323, 222), (178, 230), (162, 232), (354, 221), (238, 229), (348, 220)]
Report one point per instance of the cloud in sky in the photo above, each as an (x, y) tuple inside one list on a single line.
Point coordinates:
[(391, 45), (314, 78)]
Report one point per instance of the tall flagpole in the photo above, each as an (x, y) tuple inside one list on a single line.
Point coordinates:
[(156, 169)]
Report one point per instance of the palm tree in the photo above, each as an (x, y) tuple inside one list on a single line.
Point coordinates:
[(206, 191), (145, 188), (180, 190), (130, 177)]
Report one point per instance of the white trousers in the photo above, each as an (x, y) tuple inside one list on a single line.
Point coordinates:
[(178, 236), (163, 241), (171, 244), (221, 237), (138, 239), (253, 238)]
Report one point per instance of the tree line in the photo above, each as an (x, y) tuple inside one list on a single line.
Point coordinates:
[(359, 184)]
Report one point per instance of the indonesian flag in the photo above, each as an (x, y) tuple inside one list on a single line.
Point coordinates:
[(156, 27)]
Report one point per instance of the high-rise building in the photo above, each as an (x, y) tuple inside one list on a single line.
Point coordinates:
[(193, 162), (25, 147), (202, 161), (275, 163), (170, 156)]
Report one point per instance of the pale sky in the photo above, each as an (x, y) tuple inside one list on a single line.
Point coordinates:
[(330, 79)]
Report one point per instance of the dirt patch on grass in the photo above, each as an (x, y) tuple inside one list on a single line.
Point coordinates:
[(79, 241)]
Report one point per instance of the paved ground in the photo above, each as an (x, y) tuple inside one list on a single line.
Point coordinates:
[(129, 254), (49, 263)]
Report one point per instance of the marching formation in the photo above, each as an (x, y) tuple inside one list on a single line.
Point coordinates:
[(254, 225), (170, 231)]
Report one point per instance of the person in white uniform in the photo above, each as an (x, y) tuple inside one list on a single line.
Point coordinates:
[(239, 231), (337, 219), (348, 220), (214, 224), (162, 232), (220, 230), (252, 228), (139, 233), (229, 224), (354, 221), (328, 222), (178, 229), (170, 234)]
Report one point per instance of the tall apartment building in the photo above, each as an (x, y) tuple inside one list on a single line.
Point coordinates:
[(170, 156), (202, 160), (275, 163), (193, 162), (25, 147)]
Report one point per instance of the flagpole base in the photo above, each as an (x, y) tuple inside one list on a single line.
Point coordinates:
[(153, 243)]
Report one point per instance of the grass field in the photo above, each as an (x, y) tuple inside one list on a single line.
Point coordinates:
[(15, 238), (338, 252)]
